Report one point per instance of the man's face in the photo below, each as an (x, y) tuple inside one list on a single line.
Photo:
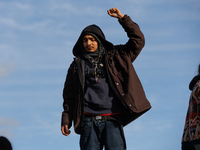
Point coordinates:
[(90, 43)]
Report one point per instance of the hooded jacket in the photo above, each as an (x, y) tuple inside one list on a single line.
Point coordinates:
[(121, 74), (191, 134)]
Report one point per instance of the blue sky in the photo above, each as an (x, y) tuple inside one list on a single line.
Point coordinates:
[(36, 41)]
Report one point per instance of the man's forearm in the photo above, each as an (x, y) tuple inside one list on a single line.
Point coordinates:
[(133, 31)]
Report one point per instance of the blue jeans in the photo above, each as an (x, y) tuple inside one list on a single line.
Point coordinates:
[(97, 134), (197, 147)]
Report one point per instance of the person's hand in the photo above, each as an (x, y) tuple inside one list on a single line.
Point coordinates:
[(115, 12), (65, 130)]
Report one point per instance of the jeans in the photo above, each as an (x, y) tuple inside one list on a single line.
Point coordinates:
[(96, 134), (194, 147), (197, 147)]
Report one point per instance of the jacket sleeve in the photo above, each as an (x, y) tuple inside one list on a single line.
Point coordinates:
[(136, 38), (68, 97)]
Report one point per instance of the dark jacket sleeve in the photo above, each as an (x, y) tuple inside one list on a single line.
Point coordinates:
[(123, 74), (136, 38), (69, 98)]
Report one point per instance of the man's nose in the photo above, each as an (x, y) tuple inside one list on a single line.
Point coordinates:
[(88, 42)]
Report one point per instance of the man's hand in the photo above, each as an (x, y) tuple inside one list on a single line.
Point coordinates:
[(115, 12), (65, 130)]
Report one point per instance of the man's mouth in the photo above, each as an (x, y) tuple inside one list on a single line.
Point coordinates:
[(89, 48)]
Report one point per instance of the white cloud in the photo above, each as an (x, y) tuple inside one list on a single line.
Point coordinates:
[(5, 70), (7, 126), (76, 10), (8, 57), (98, 11), (22, 6), (144, 124), (68, 7), (8, 122), (175, 47), (17, 5), (153, 98), (10, 22)]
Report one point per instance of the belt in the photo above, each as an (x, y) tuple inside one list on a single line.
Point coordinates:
[(100, 117), (95, 117)]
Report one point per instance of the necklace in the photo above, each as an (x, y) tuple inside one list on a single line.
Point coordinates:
[(96, 67)]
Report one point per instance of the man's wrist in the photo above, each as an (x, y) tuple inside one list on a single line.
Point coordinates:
[(120, 16)]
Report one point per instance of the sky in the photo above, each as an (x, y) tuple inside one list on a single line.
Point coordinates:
[(36, 41)]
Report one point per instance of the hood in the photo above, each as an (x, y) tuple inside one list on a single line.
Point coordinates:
[(77, 50), (194, 81)]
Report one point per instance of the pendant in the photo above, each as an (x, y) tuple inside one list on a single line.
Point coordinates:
[(96, 79)]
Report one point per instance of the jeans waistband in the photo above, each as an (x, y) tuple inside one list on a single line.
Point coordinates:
[(101, 116)]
